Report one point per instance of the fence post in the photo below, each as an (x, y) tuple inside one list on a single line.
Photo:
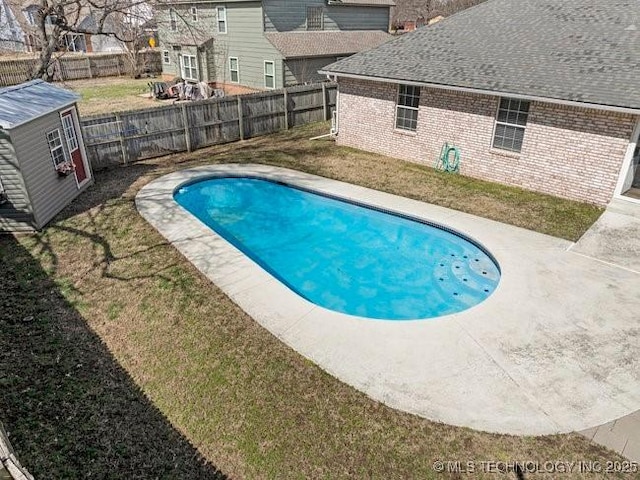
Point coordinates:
[(240, 118), (286, 109), (123, 145), (185, 121), (325, 107)]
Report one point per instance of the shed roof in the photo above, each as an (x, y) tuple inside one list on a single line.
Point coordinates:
[(580, 51), (22, 103), (325, 43)]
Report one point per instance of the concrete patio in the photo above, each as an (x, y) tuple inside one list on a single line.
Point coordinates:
[(555, 349)]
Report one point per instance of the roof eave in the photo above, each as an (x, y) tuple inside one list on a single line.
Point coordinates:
[(379, 5), (493, 93), (318, 55)]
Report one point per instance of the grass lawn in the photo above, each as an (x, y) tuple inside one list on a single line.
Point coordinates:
[(112, 94), (120, 360)]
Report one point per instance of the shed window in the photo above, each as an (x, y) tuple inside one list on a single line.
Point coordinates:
[(55, 146), (407, 107), (166, 58), (315, 18), (221, 13), (269, 75), (234, 69), (511, 121)]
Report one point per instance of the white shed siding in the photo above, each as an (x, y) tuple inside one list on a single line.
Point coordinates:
[(49, 193), (15, 215)]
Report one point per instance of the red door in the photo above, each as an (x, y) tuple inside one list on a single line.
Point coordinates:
[(74, 146)]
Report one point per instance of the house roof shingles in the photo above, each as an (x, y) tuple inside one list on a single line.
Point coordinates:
[(22, 103), (585, 51), (325, 43)]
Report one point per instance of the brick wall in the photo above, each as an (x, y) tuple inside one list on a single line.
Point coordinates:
[(569, 152)]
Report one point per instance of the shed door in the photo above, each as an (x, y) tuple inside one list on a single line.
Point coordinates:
[(74, 146)]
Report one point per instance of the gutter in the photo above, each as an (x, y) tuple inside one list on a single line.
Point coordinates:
[(492, 93)]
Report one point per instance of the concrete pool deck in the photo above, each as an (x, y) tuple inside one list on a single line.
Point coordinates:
[(555, 349)]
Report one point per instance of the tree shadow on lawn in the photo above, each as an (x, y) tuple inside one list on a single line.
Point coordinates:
[(110, 185), (70, 409)]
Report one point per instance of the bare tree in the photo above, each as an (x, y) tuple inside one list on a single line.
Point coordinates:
[(413, 10), (49, 24)]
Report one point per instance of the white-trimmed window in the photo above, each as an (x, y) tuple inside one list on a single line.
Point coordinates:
[(194, 13), (315, 18), (55, 146), (221, 14), (173, 20), (234, 69), (407, 107), (31, 14), (269, 74), (189, 67), (70, 132), (511, 121), (166, 57)]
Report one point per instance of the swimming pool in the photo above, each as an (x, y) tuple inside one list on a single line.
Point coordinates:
[(342, 256)]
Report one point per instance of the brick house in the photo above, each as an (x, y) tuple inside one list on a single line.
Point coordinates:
[(540, 95), (262, 44)]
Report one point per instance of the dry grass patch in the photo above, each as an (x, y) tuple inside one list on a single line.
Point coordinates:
[(253, 407), (112, 94)]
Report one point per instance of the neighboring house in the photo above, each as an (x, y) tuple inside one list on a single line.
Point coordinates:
[(19, 32), (43, 163), (541, 95), (11, 34), (92, 42), (265, 44)]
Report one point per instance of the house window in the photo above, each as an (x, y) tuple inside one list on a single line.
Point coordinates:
[(75, 42), (269, 74), (189, 67), (315, 18), (234, 69), (510, 124), (31, 14), (55, 146), (173, 21), (407, 107), (221, 13), (194, 14), (166, 58)]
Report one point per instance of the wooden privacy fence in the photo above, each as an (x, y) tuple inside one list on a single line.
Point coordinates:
[(125, 137), (73, 66)]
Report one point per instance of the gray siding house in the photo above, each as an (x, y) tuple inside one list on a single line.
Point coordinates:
[(540, 95), (43, 163), (265, 44)]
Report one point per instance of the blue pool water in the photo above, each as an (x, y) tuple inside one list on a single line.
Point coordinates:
[(342, 256)]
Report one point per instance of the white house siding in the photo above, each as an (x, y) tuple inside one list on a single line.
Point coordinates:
[(569, 152), (15, 214), (49, 193)]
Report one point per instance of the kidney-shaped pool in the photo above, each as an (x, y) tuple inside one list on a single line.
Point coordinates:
[(343, 256)]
